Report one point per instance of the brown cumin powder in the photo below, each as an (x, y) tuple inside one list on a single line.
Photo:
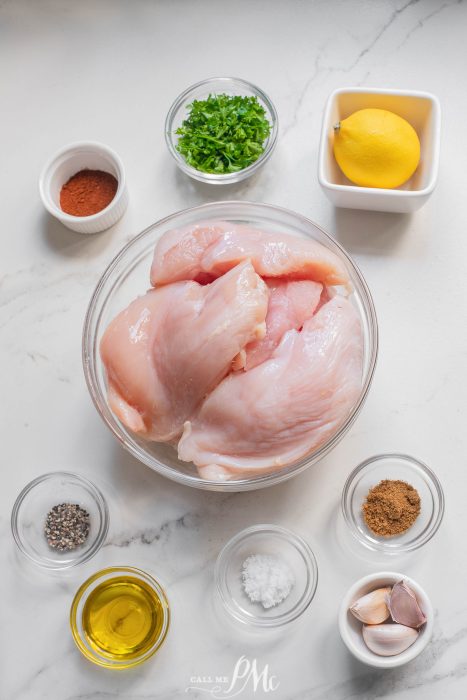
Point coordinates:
[(391, 507)]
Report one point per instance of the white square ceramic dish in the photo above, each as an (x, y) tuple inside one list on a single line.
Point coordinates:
[(421, 109)]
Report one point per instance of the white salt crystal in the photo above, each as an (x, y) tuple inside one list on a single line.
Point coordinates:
[(267, 579)]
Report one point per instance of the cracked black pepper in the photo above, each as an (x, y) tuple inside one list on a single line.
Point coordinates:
[(66, 526)]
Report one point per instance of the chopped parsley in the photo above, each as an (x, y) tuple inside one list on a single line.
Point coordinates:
[(223, 134)]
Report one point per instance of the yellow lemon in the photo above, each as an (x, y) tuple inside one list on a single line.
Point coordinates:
[(376, 148)]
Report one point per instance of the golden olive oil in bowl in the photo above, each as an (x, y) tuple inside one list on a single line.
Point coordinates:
[(119, 617)]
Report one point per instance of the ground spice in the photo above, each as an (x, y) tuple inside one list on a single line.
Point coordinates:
[(391, 507), (88, 192), (66, 526)]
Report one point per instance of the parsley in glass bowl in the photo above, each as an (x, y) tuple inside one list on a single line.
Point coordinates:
[(221, 130)]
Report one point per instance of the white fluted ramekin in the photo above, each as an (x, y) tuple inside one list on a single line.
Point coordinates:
[(68, 161)]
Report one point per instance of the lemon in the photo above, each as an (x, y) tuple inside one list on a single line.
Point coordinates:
[(376, 148)]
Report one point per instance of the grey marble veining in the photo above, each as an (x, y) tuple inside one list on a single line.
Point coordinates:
[(109, 71)]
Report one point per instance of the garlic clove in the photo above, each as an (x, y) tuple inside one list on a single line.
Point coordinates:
[(404, 607), (372, 608), (389, 639)]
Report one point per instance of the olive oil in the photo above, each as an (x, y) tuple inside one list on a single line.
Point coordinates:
[(123, 617)]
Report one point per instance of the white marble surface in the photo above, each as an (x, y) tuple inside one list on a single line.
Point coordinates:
[(108, 71)]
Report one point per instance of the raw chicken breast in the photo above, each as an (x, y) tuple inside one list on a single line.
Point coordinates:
[(290, 305), (283, 409), (171, 347), (178, 252), (214, 248)]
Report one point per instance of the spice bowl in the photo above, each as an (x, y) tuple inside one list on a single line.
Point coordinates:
[(393, 467), (71, 159), (30, 510), (266, 540), (119, 617), (351, 629), (201, 91)]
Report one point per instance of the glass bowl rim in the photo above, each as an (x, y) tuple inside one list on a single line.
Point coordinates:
[(99, 500), (292, 538), (260, 480), (221, 178), (81, 593), (425, 536)]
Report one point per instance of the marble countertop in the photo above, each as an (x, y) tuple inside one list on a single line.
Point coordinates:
[(108, 71)]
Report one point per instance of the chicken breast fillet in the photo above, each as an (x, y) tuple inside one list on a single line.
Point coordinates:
[(209, 250), (290, 305), (172, 346), (280, 411)]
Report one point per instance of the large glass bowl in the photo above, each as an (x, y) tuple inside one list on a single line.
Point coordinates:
[(127, 276)]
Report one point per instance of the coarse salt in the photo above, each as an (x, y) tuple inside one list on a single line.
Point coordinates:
[(267, 579)]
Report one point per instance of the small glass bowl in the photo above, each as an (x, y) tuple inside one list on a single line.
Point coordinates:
[(393, 466), (201, 91), (266, 539), (35, 501), (76, 617)]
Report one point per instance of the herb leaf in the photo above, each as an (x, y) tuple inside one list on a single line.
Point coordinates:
[(224, 133)]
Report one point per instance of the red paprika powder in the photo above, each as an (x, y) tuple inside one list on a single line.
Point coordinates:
[(88, 192)]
